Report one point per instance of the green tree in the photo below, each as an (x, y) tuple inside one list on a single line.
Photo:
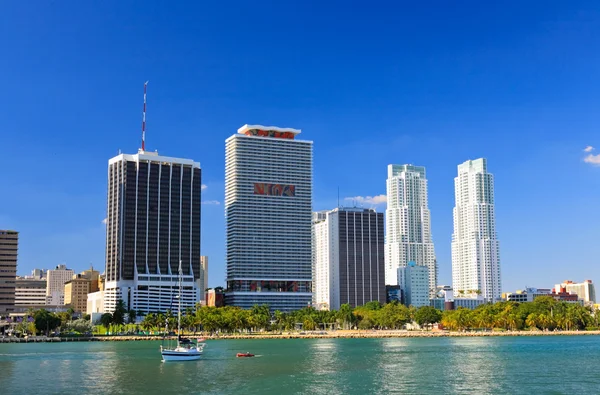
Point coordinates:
[(131, 316), (45, 321), (427, 315), (118, 316), (345, 317), (106, 321), (532, 320), (81, 325)]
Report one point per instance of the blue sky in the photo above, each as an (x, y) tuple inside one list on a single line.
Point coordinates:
[(393, 82)]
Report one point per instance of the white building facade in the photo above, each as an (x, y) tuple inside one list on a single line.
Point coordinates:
[(268, 209), (55, 285), (408, 224), (348, 258), (414, 282), (584, 290), (153, 226), (30, 292), (475, 247)]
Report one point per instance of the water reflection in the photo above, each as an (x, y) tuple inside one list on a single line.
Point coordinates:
[(323, 364), (475, 366)]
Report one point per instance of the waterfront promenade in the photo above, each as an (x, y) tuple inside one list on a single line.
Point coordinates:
[(338, 334)]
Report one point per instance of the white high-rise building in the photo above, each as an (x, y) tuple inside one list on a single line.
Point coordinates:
[(475, 248), (55, 284), (348, 258), (268, 207), (408, 226), (152, 225)]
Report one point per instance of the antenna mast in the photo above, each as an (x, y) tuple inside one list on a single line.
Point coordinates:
[(144, 119)]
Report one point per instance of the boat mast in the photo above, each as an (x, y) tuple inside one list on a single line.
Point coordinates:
[(179, 309)]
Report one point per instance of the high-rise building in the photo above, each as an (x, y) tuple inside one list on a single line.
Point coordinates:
[(152, 225), (204, 274), (30, 292), (348, 258), (55, 285), (584, 291), (414, 282), (9, 245), (268, 206), (475, 247), (408, 225)]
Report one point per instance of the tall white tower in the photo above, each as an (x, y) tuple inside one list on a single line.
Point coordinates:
[(268, 208), (475, 248), (408, 226)]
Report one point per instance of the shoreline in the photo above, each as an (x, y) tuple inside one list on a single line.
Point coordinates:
[(338, 334)]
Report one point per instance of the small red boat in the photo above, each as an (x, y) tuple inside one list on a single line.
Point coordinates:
[(244, 355)]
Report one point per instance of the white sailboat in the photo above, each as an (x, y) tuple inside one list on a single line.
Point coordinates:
[(186, 350)]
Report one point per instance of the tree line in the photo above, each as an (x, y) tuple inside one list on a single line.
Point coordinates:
[(544, 313)]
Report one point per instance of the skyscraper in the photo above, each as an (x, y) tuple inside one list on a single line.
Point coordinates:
[(268, 207), (9, 245), (203, 276), (475, 249), (408, 226), (152, 224), (348, 258)]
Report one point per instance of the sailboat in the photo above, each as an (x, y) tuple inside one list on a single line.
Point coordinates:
[(186, 350)]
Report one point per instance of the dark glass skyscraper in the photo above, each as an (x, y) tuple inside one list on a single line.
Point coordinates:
[(9, 241), (348, 258), (153, 223)]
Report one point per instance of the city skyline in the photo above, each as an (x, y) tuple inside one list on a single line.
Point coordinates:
[(428, 89)]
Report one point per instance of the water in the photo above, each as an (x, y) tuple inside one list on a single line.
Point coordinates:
[(498, 365)]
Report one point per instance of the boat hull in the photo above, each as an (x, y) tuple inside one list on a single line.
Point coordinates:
[(180, 356)]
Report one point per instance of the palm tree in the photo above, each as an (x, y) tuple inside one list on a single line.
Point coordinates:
[(106, 320), (532, 320), (131, 316)]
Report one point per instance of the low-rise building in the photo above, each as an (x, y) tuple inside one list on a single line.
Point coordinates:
[(445, 299), (584, 290), (30, 292), (393, 293), (526, 295), (76, 292), (95, 305), (215, 297)]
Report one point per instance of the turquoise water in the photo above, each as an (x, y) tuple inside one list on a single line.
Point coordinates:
[(515, 365)]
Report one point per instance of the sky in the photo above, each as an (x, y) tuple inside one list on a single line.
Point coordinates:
[(371, 84)]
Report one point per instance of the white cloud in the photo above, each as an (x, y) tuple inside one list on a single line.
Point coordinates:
[(214, 202), (372, 200), (592, 159), (204, 186), (589, 148), (104, 221)]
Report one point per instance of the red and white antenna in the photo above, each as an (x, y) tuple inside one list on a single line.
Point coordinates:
[(144, 119)]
